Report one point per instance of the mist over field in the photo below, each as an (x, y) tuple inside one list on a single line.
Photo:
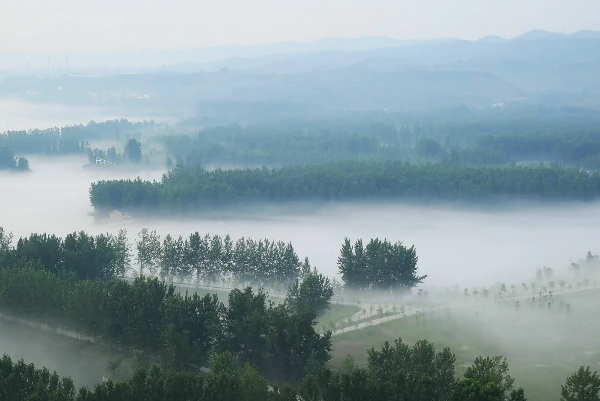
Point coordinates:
[(455, 244)]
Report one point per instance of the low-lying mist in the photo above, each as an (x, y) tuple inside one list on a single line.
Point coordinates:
[(17, 115), (84, 362), (456, 246)]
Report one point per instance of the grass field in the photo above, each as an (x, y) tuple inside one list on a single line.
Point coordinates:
[(336, 313), (543, 345)]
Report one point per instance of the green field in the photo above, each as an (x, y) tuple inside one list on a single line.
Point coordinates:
[(543, 345), (336, 313)]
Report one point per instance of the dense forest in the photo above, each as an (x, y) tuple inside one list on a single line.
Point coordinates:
[(188, 188)]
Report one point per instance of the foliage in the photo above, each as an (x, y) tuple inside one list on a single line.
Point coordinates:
[(313, 292), (380, 265), (225, 381), (472, 390), (215, 259), (20, 381), (582, 385), (208, 259), (133, 150), (494, 371), (88, 257), (417, 373)]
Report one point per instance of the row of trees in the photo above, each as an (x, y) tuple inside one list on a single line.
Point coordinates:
[(207, 259), (101, 257), (9, 161), (182, 331), (395, 372), (213, 259), (210, 259), (190, 188)]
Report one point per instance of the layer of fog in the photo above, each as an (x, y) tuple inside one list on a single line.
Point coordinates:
[(81, 361), (455, 246), (22, 115)]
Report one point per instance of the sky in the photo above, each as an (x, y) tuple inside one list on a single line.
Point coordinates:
[(113, 25)]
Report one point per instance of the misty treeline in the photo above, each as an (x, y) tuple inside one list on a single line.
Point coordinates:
[(459, 136), (180, 331), (193, 188), (10, 161), (71, 139), (299, 143), (220, 260), (209, 259)]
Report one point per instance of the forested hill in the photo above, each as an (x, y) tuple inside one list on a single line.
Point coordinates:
[(189, 188)]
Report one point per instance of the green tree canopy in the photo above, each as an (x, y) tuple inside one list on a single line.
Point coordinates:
[(583, 385), (380, 265)]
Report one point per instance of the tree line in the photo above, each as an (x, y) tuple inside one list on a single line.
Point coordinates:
[(208, 259), (394, 372), (459, 135), (215, 259), (71, 139), (193, 188), (299, 142)]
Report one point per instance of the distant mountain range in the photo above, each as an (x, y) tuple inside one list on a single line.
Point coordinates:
[(195, 58), (366, 73)]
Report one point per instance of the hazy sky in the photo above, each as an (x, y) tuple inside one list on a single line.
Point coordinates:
[(74, 25)]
